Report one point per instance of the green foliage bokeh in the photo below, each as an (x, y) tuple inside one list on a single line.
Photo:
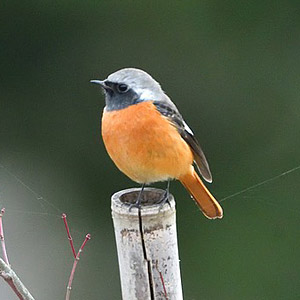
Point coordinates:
[(231, 67)]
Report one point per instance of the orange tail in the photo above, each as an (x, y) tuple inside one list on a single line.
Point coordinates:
[(205, 200)]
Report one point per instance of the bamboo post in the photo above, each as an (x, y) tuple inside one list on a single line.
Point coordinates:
[(147, 246)]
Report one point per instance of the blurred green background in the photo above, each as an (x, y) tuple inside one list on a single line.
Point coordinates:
[(232, 68)]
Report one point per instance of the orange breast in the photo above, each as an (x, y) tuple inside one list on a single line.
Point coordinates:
[(145, 145)]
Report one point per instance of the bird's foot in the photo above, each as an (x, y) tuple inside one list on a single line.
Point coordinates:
[(137, 205), (164, 199), (138, 201)]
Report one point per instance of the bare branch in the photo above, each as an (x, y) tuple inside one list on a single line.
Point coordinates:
[(6, 271), (14, 282), (76, 256), (2, 237)]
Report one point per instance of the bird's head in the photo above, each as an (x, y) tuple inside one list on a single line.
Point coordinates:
[(129, 86)]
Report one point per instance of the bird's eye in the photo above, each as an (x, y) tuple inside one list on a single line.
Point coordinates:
[(122, 88)]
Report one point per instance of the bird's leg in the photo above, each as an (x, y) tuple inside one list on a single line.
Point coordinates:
[(138, 201), (165, 196)]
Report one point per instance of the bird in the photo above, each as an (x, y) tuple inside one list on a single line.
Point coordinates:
[(148, 139)]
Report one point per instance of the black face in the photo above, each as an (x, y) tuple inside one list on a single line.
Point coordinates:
[(119, 96)]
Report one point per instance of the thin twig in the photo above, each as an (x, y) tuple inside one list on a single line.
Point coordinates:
[(76, 256), (64, 217), (162, 281), (69, 287), (4, 252)]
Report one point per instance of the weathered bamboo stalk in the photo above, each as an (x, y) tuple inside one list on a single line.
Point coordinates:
[(147, 246)]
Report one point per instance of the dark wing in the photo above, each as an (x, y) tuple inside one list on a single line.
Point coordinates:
[(187, 134)]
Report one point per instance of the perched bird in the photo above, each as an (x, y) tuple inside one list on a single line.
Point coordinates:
[(148, 140)]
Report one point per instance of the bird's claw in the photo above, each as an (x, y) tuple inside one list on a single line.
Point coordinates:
[(164, 199), (136, 205)]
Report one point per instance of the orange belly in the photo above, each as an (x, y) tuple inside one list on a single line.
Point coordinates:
[(145, 145)]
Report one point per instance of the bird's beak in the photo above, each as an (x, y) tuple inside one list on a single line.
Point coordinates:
[(101, 83)]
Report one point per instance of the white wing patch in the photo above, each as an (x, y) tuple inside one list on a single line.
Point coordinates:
[(187, 128)]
